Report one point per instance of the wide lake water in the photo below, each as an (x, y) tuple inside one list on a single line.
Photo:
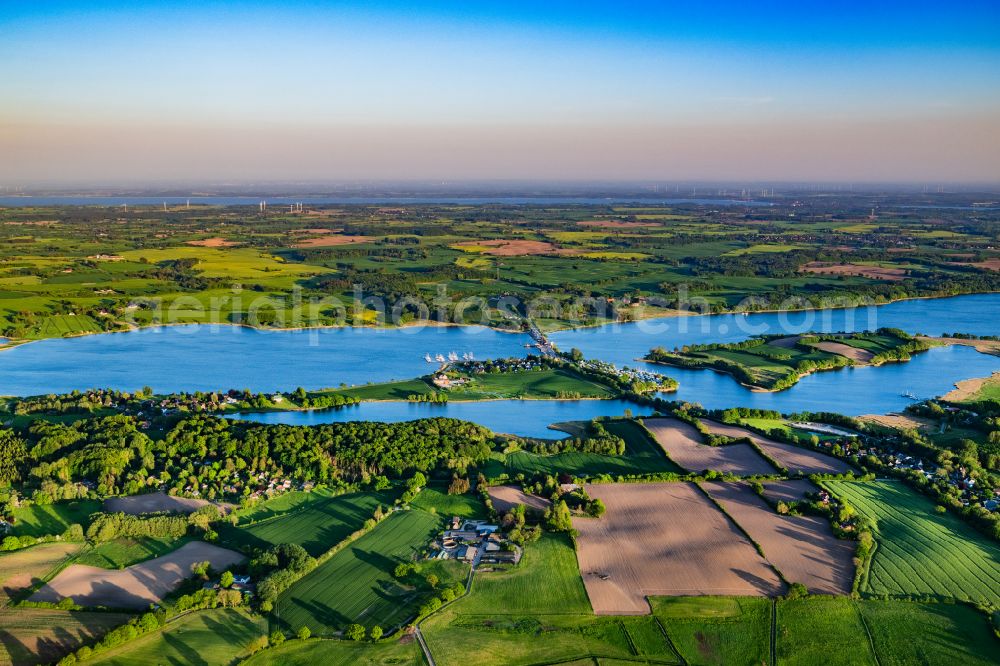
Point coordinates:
[(190, 358), (209, 358), (528, 418)]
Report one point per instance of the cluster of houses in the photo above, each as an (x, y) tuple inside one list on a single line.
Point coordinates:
[(476, 542), (503, 365), (970, 491)]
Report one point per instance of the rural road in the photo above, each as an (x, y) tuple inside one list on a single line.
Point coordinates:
[(423, 646)]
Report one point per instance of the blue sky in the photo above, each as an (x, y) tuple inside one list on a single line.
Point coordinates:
[(504, 89)]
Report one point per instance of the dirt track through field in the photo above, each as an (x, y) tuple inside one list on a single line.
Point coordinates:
[(506, 498), (683, 444), (792, 458), (664, 539), (153, 503), (803, 548), (136, 586)]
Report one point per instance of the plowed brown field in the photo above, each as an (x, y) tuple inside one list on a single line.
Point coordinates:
[(152, 503), (136, 586), (682, 443), (664, 539), (793, 458), (789, 490), (506, 498), (803, 548)]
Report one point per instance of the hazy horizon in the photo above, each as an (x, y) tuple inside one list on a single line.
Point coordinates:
[(210, 92)]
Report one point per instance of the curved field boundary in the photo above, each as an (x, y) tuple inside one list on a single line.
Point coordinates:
[(153, 503), (136, 586)]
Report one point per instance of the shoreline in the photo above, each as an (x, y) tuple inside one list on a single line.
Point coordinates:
[(760, 389), (419, 402), (966, 388), (13, 343), (687, 313)]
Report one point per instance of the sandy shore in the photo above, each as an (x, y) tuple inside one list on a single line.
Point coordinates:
[(967, 388), (900, 421), (982, 346)]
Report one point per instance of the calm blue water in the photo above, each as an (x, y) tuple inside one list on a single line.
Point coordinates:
[(189, 358), (851, 391), (528, 418), (210, 358), (978, 314)]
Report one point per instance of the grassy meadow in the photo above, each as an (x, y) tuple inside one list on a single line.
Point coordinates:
[(357, 583), (317, 524), (215, 637), (918, 550), (121, 553)]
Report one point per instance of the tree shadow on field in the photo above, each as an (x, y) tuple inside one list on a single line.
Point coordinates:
[(188, 655), (321, 613), (376, 560), (15, 651), (764, 586)]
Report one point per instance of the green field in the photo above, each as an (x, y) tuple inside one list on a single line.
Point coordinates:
[(642, 456), (538, 613), (120, 553), (766, 365), (716, 630), (828, 630), (919, 551), (767, 425), (835, 630), (283, 503), (990, 390), (435, 499), (535, 613), (44, 519), (546, 582), (326, 652), (915, 633), (218, 636), (317, 525), (536, 384), (357, 585), (774, 364), (80, 271)]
